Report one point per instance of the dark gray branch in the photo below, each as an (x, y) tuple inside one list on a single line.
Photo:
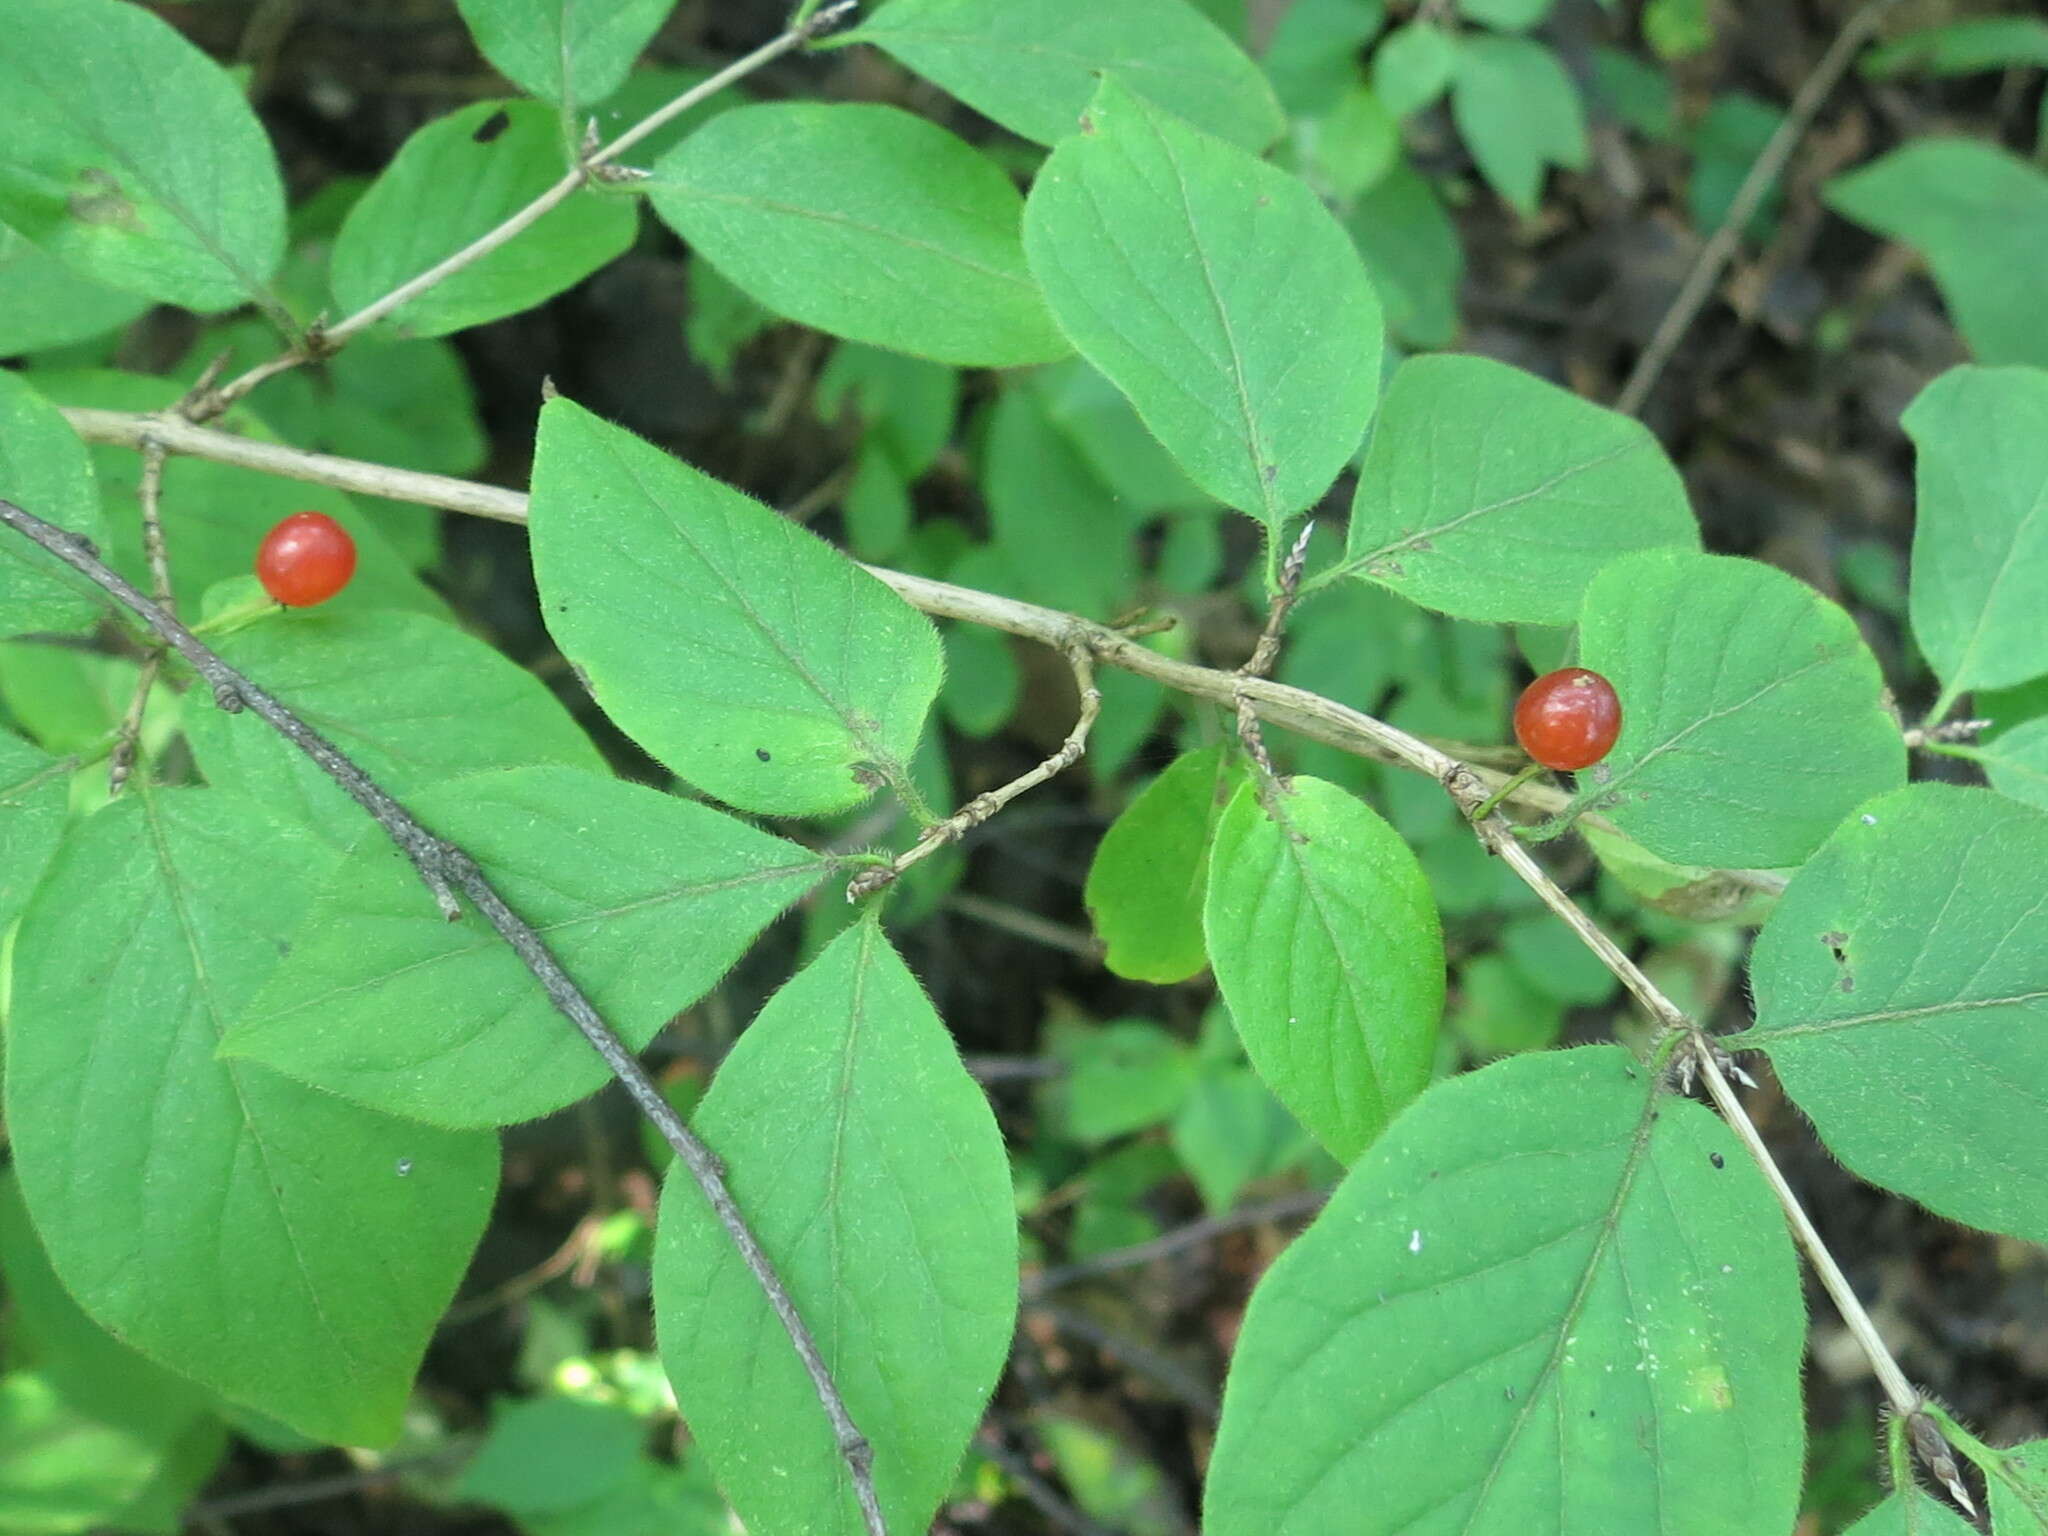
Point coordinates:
[(446, 869)]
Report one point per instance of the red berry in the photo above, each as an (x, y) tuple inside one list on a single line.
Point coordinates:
[(1568, 719), (305, 559)]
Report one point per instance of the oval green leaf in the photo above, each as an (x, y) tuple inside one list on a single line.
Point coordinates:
[(132, 158), (1753, 716), (862, 221), (562, 51), (1490, 494), (1217, 293), (873, 1174), (450, 184), (645, 899), (1980, 534), (749, 655), (1032, 65), (1327, 947), (1519, 113), (1980, 217), (1151, 871), (283, 1247), (1550, 1302), (1902, 993)]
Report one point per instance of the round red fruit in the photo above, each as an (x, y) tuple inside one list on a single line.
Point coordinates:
[(305, 559), (1568, 719)]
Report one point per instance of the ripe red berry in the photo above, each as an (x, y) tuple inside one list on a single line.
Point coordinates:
[(305, 559), (1568, 719)]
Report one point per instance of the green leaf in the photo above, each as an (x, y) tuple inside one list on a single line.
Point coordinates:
[(62, 1471), (645, 899), (1726, 142), (1121, 1077), (1509, 15), (1636, 91), (412, 700), (1678, 29), (1107, 432), (93, 1371), (1551, 1301), (348, 1231), (1490, 494), (1753, 716), (750, 656), (1327, 948), (44, 469), (1497, 1011), (1231, 1131), (1980, 538), (2018, 1484), (1961, 48), (862, 221), (35, 794), (561, 51), (1411, 251), (132, 158), (1151, 871), (1902, 992), (43, 303), (2016, 763), (1413, 67), (983, 682), (721, 321), (1980, 217), (1554, 961), (450, 184), (1152, 241), (1351, 147), (1916, 1513), (876, 506), (549, 1454), (1519, 113), (1033, 65), (1312, 59), (1061, 530), (873, 1173), (906, 403)]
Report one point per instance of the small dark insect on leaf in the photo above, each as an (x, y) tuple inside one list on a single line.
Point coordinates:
[(1717, 1160), (492, 126)]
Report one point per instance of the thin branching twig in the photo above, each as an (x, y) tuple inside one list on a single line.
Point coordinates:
[(448, 871), (985, 805)]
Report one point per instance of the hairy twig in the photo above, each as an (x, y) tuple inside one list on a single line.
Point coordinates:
[(1715, 254), (985, 805), (447, 870), (1263, 655)]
